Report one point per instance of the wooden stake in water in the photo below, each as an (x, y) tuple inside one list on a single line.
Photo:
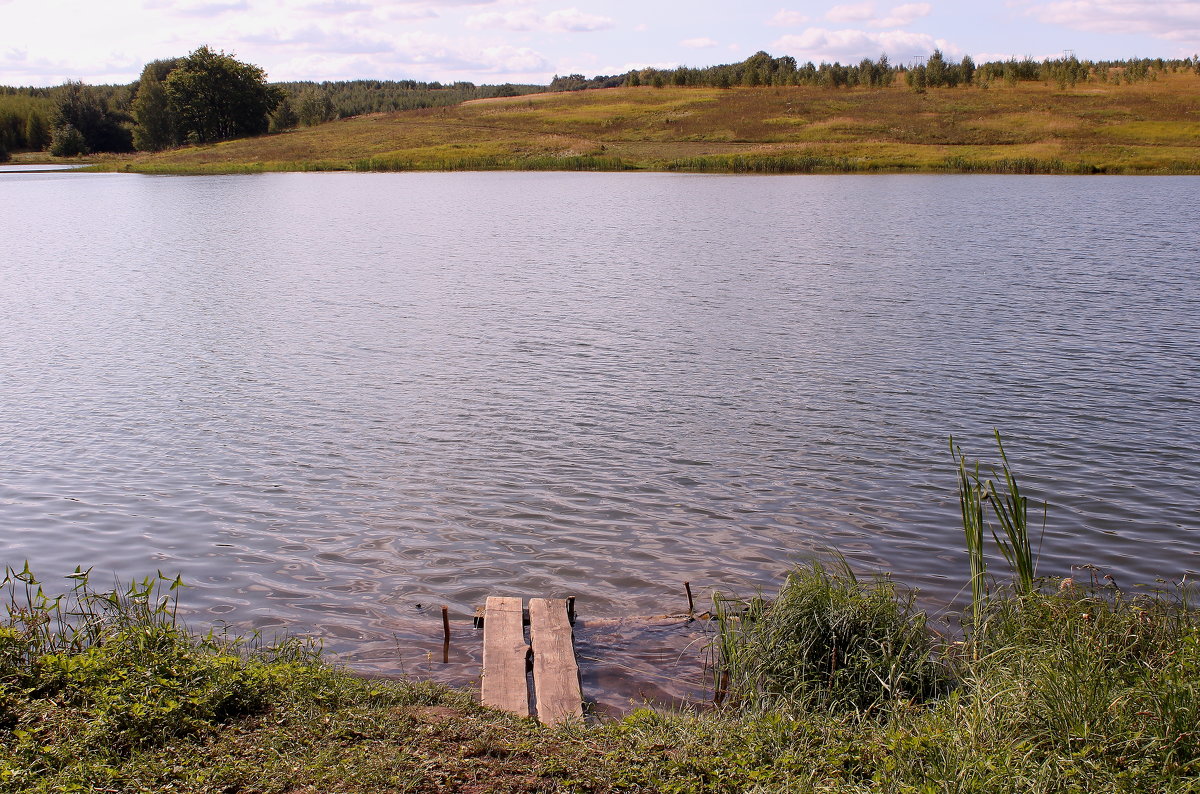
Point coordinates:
[(687, 586), (445, 634)]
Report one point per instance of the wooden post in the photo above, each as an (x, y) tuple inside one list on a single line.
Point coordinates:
[(687, 586)]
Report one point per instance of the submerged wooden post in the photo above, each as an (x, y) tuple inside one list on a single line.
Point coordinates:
[(505, 657), (555, 670)]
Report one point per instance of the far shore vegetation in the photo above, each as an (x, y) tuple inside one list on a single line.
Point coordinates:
[(834, 684), (762, 115)]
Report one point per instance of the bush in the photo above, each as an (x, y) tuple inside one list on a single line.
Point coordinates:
[(66, 141)]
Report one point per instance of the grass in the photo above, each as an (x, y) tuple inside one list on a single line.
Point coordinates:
[(836, 684), (1147, 127)]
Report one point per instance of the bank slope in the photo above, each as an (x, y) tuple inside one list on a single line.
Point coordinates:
[(1149, 127)]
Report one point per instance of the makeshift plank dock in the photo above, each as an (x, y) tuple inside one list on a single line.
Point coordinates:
[(549, 653)]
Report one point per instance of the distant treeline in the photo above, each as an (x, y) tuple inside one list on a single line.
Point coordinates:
[(94, 116), (24, 122), (120, 118), (761, 69), (307, 103), (76, 118)]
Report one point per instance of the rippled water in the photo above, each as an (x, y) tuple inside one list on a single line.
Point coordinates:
[(335, 402)]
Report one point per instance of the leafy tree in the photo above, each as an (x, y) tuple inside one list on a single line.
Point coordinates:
[(37, 132), (284, 117), (67, 141), (157, 120), (315, 107), (87, 111), (217, 97)]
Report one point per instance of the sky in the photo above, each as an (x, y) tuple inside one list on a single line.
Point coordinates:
[(44, 42)]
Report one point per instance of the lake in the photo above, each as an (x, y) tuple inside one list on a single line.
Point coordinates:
[(334, 402)]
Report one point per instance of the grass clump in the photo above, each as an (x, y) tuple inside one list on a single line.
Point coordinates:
[(828, 642)]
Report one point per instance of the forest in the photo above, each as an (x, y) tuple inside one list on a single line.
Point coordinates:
[(209, 96)]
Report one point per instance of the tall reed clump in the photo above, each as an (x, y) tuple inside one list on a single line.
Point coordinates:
[(828, 641), (999, 499)]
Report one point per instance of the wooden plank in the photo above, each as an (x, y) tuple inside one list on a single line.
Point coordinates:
[(555, 670), (505, 657)]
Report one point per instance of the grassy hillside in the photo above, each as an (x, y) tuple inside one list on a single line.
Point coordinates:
[(1148, 127)]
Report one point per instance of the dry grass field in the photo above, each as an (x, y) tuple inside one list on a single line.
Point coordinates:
[(1148, 127)]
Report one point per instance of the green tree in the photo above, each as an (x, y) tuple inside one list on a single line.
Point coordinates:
[(315, 107), (37, 132), (67, 141), (937, 71), (284, 117), (157, 121), (966, 69), (217, 97), (87, 111)]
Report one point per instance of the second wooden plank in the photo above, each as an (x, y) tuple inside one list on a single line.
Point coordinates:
[(555, 670)]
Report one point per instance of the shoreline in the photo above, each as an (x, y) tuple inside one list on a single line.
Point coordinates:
[(834, 684)]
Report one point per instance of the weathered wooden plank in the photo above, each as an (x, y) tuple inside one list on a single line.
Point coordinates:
[(505, 656), (555, 670)]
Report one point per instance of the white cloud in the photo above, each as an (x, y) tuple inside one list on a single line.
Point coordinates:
[(198, 8), (641, 28), (902, 15), (337, 7), (567, 20), (787, 19), (852, 12), (1173, 20), (699, 44), (316, 39), (850, 45), (898, 17)]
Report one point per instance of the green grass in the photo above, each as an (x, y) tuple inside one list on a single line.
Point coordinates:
[(835, 684), (827, 642)]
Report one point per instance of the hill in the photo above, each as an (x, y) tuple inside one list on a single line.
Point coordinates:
[(1144, 127)]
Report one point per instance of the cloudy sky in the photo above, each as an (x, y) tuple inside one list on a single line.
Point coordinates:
[(43, 42)]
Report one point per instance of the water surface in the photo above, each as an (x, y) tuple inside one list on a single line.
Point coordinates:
[(334, 402)]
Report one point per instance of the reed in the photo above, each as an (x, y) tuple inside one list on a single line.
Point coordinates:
[(1008, 510), (970, 500), (82, 617)]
